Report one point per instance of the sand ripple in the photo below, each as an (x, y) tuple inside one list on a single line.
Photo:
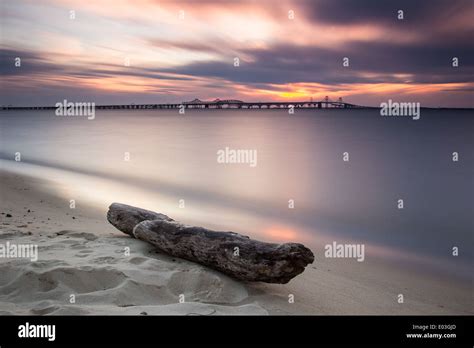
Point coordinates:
[(103, 279)]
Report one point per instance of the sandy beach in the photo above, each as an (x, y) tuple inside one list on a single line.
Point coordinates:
[(193, 172), (81, 254)]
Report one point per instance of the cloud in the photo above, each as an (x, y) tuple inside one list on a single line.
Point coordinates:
[(421, 12), (368, 62), (279, 58)]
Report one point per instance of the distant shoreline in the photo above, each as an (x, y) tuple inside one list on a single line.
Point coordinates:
[(186, 106)]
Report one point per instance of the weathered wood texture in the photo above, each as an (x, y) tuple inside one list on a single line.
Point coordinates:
[(125, 217), (231, 253)]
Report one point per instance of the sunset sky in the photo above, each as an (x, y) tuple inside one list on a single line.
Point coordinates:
[(181, 50)]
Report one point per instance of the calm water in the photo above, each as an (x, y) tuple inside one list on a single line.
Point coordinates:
[(299, 157)]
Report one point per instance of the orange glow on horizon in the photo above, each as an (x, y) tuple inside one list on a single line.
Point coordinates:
[(317, 91), (281, 233)]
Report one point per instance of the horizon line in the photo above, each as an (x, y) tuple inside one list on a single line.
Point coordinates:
[(315, 104)]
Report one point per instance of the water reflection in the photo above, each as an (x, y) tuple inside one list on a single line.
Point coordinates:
[(173, 158)]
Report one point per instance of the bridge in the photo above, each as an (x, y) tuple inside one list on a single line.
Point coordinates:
[(238, 104), (326, 103)]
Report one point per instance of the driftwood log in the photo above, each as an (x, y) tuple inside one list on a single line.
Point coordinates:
[(228, 252)]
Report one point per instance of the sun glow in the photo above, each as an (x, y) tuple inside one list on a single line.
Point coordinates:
[(281, 233)]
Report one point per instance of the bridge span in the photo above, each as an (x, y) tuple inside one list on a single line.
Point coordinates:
[(215, 104)]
